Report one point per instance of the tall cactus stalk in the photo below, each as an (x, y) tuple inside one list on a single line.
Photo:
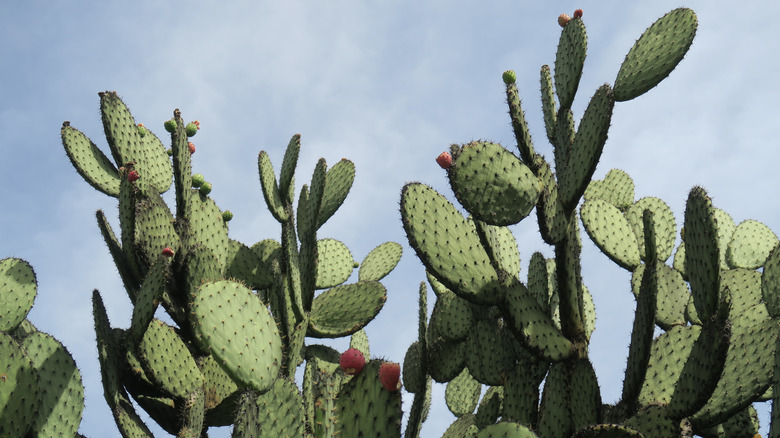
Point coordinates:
[(493, 327)]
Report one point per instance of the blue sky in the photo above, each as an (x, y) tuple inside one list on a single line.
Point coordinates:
[(388, 85)]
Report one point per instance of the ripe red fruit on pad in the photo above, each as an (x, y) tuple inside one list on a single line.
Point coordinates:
[(133, 175), (167, 252), (390, 376), (445, 160), (352, 361), (563, 19), (192, 147), (578, 13)]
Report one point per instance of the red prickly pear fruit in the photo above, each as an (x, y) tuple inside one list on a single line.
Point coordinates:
[(563, 19), (578, 13), (191, 145), (352, 361), (191, 129), (390, 376), (167, 251), (170, 125), (133, 175), (445, 160)]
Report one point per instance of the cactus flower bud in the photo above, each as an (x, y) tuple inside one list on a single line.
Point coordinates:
[(170, 125), (198, 180), (563, 19), (578, 13), (167, 251), (445, 160), (352, 361), (142, 129), (133, 176), (390, 376), (509, 77)]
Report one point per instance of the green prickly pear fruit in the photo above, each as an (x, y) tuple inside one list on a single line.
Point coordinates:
[(142, 129), (390, 376), (133, 176), (352, 361), (191, 129), (198, 180), (563, 19), (170, 125), (578, 13), (191, 145), (445, 160), (205, 188), (167, 251), (227, 215), (509, 77), (169, 152)]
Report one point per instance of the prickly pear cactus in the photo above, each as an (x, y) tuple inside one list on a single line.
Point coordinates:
[(41, 394), (525, 336), (237, 316)]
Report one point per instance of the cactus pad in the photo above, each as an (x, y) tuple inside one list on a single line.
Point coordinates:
[(345, 309), (18, 288), (380, 261)]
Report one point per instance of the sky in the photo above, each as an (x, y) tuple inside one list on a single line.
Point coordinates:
[(386, 84)]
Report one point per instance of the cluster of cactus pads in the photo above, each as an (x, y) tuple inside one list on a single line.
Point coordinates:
[(526, 336), (233, 319), (41, 394), (219, 328)]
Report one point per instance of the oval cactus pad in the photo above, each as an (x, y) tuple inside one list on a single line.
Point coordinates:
[(18, 288), (240, 332)]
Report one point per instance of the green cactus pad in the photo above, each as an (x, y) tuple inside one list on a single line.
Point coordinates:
[(492, 184), (585, 394), (168, 361), (656, 53), (359, 341), (667, 359), (553, 221), (453, 316), (519, 125), (246, 265), (521, 390), (581, 162), (462, 394), (334, 263), (280, 412), (538, 281), (345, 309), (744, 377), (489, 353), (20, 395), (743, 423), (672, 294), (446, 359), (240, 332), (490, 407), (617, 188), (460, 428), (770, 283), (218, 385), (154, 228), (501, 246), (414, 376), (271, 193), (160, 409), (127, 144), (365, 408), (548, 101), (338, 182), (536, 329), (206, 228), (608, 431), (448, 245), (289, 163), (129, 280), (702, 259), (750, 245), (90, 162), (61, 391), (380, 261), (654, 421), (148, 298), (555, 409), (611, 232), (665, 227), (18, 288), (569, 60), (745, 288)]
